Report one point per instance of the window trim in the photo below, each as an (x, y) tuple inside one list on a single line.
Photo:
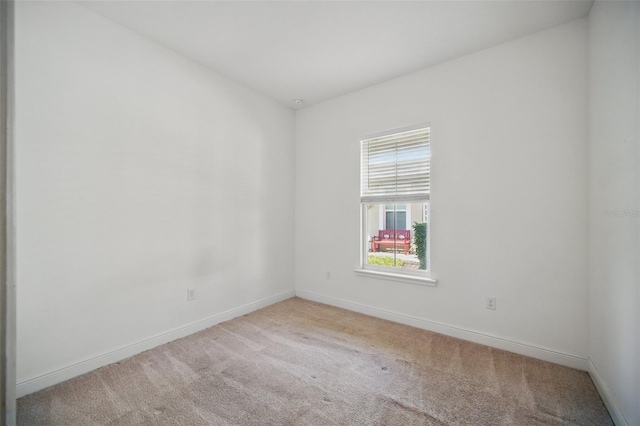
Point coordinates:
[(423, 280)]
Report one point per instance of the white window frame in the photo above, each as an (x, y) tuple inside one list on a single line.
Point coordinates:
[(421, 277)]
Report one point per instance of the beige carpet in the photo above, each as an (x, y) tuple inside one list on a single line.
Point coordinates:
[(304, 363)]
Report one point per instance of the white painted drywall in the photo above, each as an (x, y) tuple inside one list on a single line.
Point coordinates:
[(509, 191), (140, 174), (614, 114), (8, 406)]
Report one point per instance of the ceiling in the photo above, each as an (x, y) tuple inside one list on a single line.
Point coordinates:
[(317, 50)]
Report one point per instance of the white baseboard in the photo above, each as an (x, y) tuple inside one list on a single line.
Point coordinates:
[(544, 354), (49, 379), (605, 393)]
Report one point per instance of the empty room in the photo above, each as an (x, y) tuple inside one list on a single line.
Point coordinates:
[(320, 212)]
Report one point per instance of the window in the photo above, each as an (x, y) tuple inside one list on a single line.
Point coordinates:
[(394, 198), (395, 216)]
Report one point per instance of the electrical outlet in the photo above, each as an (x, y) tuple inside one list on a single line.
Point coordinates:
[(191, 293), (491, 303), (327, 275)]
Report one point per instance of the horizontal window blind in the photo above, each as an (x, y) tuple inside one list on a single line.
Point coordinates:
[(396, 167)]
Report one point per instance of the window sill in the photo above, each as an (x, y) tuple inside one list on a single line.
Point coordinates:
[(409, 279)]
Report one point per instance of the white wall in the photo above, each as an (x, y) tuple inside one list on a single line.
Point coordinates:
[(614, 114), (139, 174), (7, 228), (509, 195)]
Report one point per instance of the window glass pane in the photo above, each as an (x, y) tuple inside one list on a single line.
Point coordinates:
[(420, 231), (396, 164), (389, 249)]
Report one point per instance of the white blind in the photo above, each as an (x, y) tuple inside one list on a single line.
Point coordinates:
[(396, 167)]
